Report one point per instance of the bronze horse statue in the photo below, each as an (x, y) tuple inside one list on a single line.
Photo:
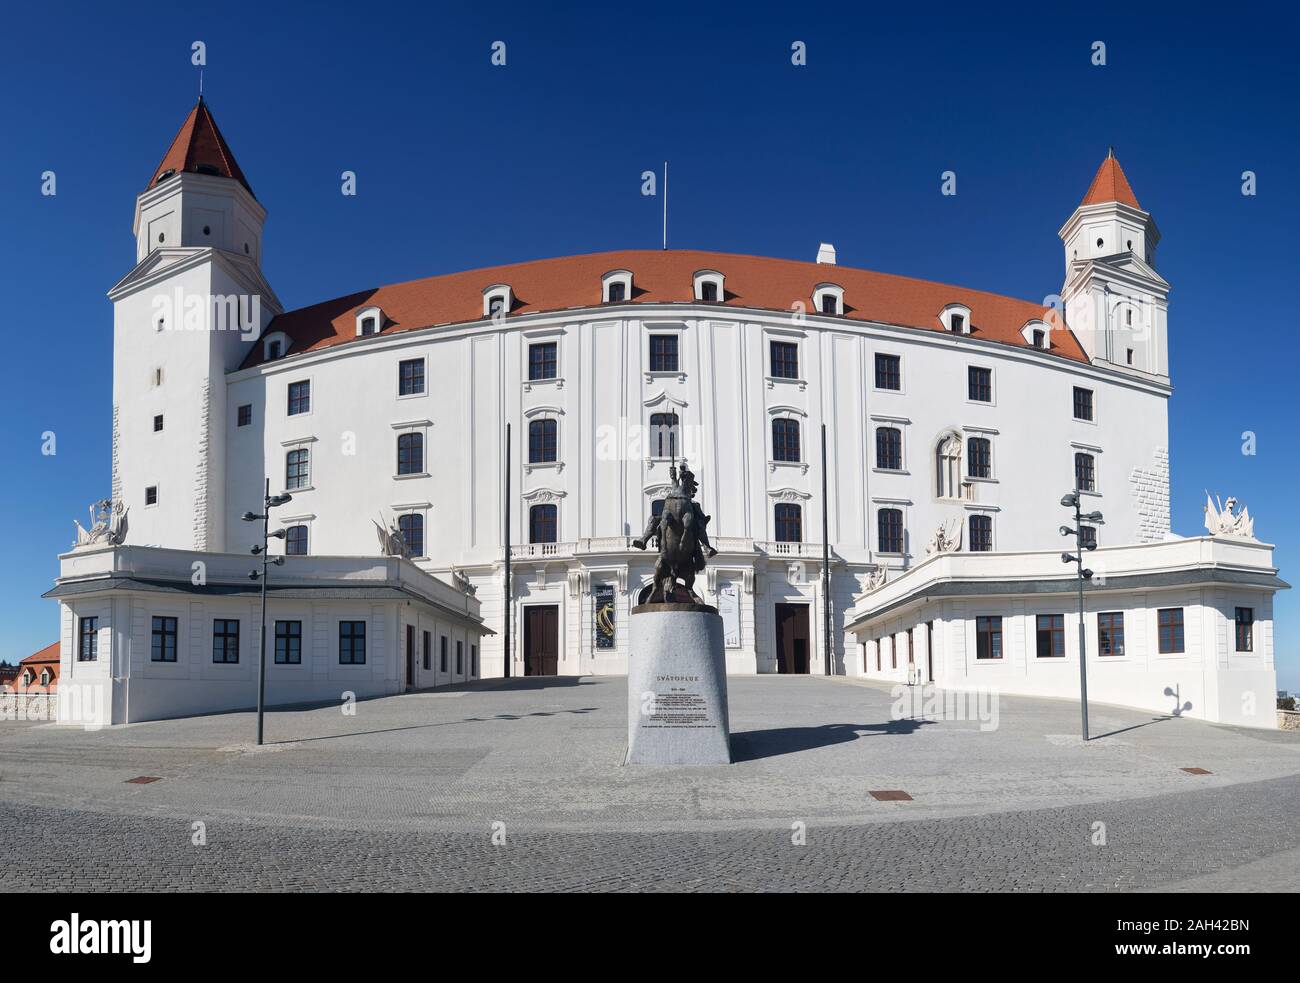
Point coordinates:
[(681, 533)]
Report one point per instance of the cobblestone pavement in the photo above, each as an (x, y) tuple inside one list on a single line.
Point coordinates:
[(1151, 843), (408, 794)]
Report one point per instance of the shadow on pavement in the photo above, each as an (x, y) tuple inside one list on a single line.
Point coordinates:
[(754, 744)]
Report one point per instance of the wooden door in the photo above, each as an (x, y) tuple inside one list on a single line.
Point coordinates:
[(541, 640), (792, 638)]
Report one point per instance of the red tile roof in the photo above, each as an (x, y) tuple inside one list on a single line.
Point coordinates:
[(661, 276), (1110, 184), (48, 654), (200, 147)]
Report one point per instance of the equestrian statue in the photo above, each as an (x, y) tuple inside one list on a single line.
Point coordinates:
[(681, 532)]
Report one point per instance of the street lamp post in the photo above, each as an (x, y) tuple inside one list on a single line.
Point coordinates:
[(269, 502), (1073, 500)]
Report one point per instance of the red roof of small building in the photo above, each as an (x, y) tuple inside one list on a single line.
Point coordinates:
[(48, 654), (1110, 184), (199, 147), (664, 276)]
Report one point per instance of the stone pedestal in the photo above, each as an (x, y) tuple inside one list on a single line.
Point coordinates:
[(677, 687)]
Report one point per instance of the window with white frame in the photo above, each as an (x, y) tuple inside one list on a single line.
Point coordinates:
[(709, 286), (956, 318), (369, 321), (297, 468), (828, 298), (616, 287), (497, 300)]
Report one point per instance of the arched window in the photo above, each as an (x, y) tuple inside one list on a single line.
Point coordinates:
[(889, 448), (979, 457), (542, 524), (542, 441), (295, 541), (617, 292), (789, 522), (785, 439), (948, 475), (410, 453), (297, 468), (663, 434), (889, 526), (411, 527), (1085, 472), (709, 292)]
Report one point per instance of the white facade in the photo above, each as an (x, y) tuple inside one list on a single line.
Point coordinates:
[(1161, 627), (995, 404)]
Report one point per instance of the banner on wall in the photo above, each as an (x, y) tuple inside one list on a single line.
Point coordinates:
[(729, 608), (604, 615)]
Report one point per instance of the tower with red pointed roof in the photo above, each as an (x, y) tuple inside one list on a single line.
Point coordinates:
[(185, 315), (1115, 301)]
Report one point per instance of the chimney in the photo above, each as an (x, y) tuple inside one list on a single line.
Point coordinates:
[(826, 254)]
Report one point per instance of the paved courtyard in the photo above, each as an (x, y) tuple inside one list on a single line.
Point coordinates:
[(517, 785)]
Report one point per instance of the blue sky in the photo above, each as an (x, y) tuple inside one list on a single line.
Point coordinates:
[(462, 164)]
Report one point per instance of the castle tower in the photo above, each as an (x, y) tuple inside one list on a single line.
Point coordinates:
[(1115, 301), (182, 318)]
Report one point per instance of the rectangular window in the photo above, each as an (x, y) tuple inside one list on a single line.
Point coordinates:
[(410, 453), (979, 384), (979, 457), (244, 416), (442, 653), (889, 525), (988, 637), (151, 495), (428, 651), (981, 533), (543, 441), (543, 523), (288, 643), (1088, 537), (410, 377), (789, 523), (785, 439), (460, 658), (889, 372), (162, 646), (88, 642), (1110, 633), (1169, 626), (542, 360), (299, 397), (1245, 620), (1085, 472), (411, 526), (295, 541), (1082, 403), (225, 640), (352, 643), (158, 423), (663, 353), (889, 448), (1051, 636), (785, 360), (473, 660), (297, 468)]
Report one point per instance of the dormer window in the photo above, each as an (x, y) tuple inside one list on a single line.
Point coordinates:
[(370, 321), (955, 318), (615, 287), (709, 286), (274, 345), (828, 298), (1035, 334), (497, 300)]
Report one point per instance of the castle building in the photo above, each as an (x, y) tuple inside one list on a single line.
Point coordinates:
[(952, 420)]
